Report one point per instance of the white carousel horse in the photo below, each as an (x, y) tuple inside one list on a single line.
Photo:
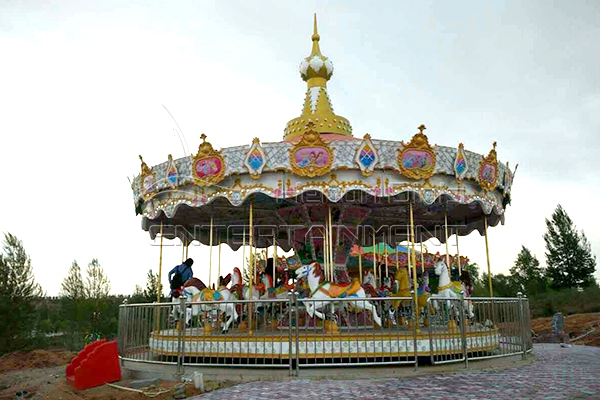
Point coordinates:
[(369, 278), (449, 289), (195, 293), (320, 289), (279, 292), (237, 282)]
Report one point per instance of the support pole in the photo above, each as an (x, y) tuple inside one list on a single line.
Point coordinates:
[(422, 256), (414, 266), (487, 253), (187, 247), (219, 267), (182, 251), (447, 251), (159, 291), (331, 261), (386, 258), (325, 250), (210, 240), (458, 255), (360, 274), (251, 273), (160, 265), (275, 260), (374, 259), (408, 256)]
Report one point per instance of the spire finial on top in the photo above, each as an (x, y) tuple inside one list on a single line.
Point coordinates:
[(316, 70), (315, 38)]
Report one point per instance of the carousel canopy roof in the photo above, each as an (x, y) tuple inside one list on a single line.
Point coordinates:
[(381, 248), (368, 183)]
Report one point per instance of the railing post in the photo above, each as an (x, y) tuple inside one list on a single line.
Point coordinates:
[(463, 334), (527, 322), (290, 327), (522, 326), (415, 325), (295, 301), (181, 334)]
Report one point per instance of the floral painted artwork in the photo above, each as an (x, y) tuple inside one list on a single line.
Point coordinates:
[(311, 156), (488, 173), (414, 159), (207, 167), (148, 184)]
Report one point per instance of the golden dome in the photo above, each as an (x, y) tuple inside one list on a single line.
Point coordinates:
[(315, 70)]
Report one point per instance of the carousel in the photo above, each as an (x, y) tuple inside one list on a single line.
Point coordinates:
[(354, 210)]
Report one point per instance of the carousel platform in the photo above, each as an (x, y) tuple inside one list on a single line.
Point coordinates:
[(317, 344)]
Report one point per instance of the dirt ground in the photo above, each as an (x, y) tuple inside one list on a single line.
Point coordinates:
[(42, 372), (575, 325)]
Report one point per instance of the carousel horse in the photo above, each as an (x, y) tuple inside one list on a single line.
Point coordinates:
[(449, 289), (423, 292), (369, 284), (401, 287), (386, 287), (279, 292), (196, 291), (465, 278), (321, 289), (243, 291)]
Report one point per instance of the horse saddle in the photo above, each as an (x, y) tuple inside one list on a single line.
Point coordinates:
[(455, 286), (344, 289), (273, 292), (210, 295), (195, 282)]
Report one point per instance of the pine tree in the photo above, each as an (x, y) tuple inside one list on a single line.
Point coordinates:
[(97, 284), (569, 259), (72, 286), (153, 287), (138, 295), (527, 273), (18, 294), (73, 299)]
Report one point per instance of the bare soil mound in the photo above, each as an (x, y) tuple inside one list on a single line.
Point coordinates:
[(576, 326), (20, 360)]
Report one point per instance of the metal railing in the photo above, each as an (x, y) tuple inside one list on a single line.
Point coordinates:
[(352, 331), (296, 333)]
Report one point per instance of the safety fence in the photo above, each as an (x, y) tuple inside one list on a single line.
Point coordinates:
[(295, 333)]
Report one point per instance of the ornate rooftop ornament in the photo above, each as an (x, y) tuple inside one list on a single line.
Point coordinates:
[(147, 181), (316, 70), (311, 156), (417, 159), (488, 171), (208, 165)]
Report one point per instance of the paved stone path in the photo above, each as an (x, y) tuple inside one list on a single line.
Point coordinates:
[(558, 373)]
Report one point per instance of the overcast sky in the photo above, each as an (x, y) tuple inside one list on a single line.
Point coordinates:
[(82, 87)]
